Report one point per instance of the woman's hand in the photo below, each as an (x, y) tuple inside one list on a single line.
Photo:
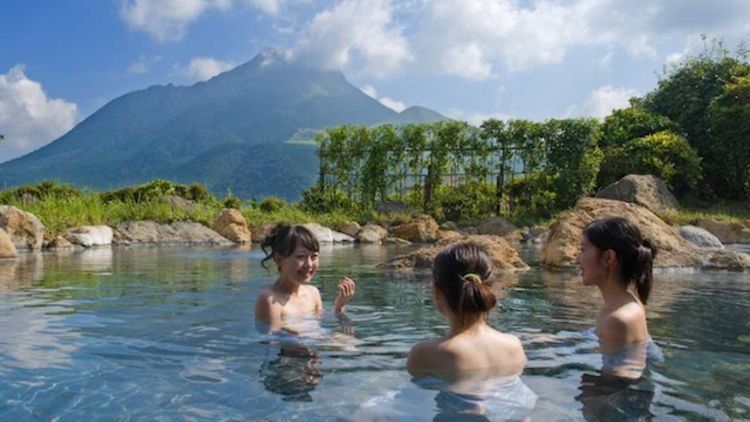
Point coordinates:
[(347, 288)]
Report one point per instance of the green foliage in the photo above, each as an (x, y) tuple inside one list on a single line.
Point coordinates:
[(573, 157), (272, 204), (31, 193), (329, 200), (630, 123), (157, 188), (232, 202), (532, 196), (729, 118), (686, 94), (663, 154), (469, 201)]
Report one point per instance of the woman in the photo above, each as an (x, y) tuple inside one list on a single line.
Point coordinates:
[(295, 251), (616, 258)]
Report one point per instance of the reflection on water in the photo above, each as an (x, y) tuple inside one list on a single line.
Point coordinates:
[(168, 333)]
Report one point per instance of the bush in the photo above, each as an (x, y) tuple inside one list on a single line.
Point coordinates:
[(157, 188), (469, 201), (272, 204), (532, 197), (40, 191), (232, 202), (330, 200), (663, 154), (630, 123)]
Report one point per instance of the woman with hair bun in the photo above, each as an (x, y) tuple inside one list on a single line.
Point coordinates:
[(616, 258)]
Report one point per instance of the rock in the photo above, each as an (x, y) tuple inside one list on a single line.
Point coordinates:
[(728, 260), (564, 239), (396, 241), (394, 207), (150, 232), (449, 225), (24, 228), (180, 203), (231, 224), (372, 233), (88, 236), (259, 233), (497, 226), (726, 231), (7, 250), (421, 229), (349, 228), (538, 231), (326, 235), (504, 256), (59, 243), (449, 235), (646, 190), (700, 237)]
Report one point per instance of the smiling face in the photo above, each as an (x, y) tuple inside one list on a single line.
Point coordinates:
[(591, 263), (300, 266)]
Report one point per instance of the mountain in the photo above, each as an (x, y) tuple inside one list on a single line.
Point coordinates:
[(229, 132)]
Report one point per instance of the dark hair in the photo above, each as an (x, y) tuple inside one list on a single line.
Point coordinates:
[(463, 274), (634, 252), (284, 238)]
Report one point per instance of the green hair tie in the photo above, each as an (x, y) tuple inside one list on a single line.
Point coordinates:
[(471, 276)]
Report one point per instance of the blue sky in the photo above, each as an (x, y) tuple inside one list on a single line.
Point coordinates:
[(469, 59)]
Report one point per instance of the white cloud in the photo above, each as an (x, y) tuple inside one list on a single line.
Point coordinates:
[(204, 68), (604, 99), (28, 118), (605, 63), (395, 105), (370, 90), (167, 20), (475, 118), (142, 65), (356, 30)]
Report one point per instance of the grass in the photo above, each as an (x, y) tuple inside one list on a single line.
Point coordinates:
[(732, 212)]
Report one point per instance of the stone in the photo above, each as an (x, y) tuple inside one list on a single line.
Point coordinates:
[(231, 224), (726, 231), (372, 233), (396, 241), (504, 256), (88, 236), (497, 226), (59, 243), (349, 228), (151, 232), (260, 232), (7, 249), (421, 229), (326, 235), (728, 260), (449, 235), (24, 228), (449, 225), (646, 190), (563, 243), (180, 203), (700, 237)]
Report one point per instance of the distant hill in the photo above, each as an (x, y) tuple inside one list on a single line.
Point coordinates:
[(246, 130)]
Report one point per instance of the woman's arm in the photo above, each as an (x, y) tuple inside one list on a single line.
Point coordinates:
[(268, 311), (347, 289)]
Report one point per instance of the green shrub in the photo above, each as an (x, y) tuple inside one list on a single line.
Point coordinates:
[(469, 201), (40, 191), (663, 154), (272, 204), (232, 202), (532, 196), (330, 200)]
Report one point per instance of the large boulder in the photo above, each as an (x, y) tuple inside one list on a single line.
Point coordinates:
[(150, 232), (505, 257), (7, 250), (326, 235), (646, 190), (563, 242), (728, 260), (24, 228), (700, 237), (88, 236), (231, 224), (350, 228), (421, 229), (261, 231), (726, 231), (497, 226), (372, 233)]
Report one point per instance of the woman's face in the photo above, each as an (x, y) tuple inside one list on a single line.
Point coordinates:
[(300, 266), (591, 266)]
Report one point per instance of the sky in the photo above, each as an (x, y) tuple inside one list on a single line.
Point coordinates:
[(62, 60)]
